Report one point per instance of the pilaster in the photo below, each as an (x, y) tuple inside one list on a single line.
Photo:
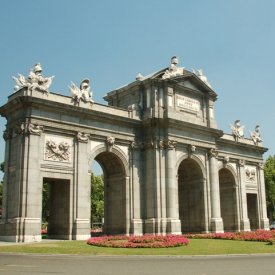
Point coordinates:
[(216, 220)]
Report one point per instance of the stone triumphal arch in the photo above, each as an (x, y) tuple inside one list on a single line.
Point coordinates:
[(167, 167)]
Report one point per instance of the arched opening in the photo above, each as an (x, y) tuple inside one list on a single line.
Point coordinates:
[(252, 210), (191, 196), (114, 193), (228, 200), (56, 208)]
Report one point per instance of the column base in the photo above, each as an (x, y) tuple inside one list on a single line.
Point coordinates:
[(174, 226), (245, 225), (136, 227), (21, 230), (265, 224), (81, 230), (154, 226), (216, 225)]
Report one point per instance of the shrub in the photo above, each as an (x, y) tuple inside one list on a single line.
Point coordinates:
[(146, 241)]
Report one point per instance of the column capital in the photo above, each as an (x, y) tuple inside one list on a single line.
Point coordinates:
[(213, 153), (82, 137), (7, 134)]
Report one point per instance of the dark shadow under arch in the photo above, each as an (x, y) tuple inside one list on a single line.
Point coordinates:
[(114, 192), (191, 196), (228, 199)]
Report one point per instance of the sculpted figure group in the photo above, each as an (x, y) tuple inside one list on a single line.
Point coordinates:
[(238, 132), (36, 81)]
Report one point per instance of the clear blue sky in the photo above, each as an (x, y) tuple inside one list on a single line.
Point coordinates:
[(111, 41)]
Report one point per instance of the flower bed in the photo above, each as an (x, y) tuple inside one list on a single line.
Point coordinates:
[(146, 241), (258, 235)]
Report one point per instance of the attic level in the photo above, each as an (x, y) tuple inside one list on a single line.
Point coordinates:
[(172, 92)]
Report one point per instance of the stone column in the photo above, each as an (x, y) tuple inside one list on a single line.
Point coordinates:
[(82, 190), (264, 221), (150, 189), (172, 207), (244, 221), (216, 220), (135, 190)]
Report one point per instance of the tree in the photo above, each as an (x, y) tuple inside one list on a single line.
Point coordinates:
[(97, 198), (269, 171)]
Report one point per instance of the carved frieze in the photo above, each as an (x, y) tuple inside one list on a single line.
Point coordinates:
[(57, 149)]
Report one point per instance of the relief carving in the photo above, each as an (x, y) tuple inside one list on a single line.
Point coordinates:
[(57, 151), (250, 173), (110, 143), (35, 129), (213, 152), (82, 137)]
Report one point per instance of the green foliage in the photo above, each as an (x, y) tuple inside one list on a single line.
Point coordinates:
[(97, 198), (45, 202), (2, 166), (1, 194), (269, 171)]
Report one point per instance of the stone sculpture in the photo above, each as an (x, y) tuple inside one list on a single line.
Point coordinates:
[(237, 130), (35, 80), (255, 135), (83, 93), (173, 70), (201, 76)]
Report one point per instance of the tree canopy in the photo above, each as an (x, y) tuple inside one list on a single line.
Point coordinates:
[(269, 171), (97, 198)]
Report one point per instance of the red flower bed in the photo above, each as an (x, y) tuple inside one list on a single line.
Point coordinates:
[(258, 235), (146, 241)]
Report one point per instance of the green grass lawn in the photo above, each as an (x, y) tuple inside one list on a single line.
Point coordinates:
[(195, 247)]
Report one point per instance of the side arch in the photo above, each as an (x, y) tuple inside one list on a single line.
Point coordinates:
[(194, 157), (228, 197), (116, 188)]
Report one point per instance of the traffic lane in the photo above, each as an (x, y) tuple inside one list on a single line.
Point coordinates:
[(136, 265)]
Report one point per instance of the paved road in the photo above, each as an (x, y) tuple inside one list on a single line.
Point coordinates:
[(11, 264)]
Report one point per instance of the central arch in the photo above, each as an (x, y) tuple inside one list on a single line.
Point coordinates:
[(114, 167), (191, 196)]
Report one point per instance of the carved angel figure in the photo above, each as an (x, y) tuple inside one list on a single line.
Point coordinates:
[(237, 130), (35, 80), (201, 76), (83, 93), (256, 137)]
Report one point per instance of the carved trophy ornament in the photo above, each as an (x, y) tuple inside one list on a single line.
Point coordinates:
[(57, 151), (83, 93), (202, 77), (255, 135), (237, 130), (35, 80), (173, 69)]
